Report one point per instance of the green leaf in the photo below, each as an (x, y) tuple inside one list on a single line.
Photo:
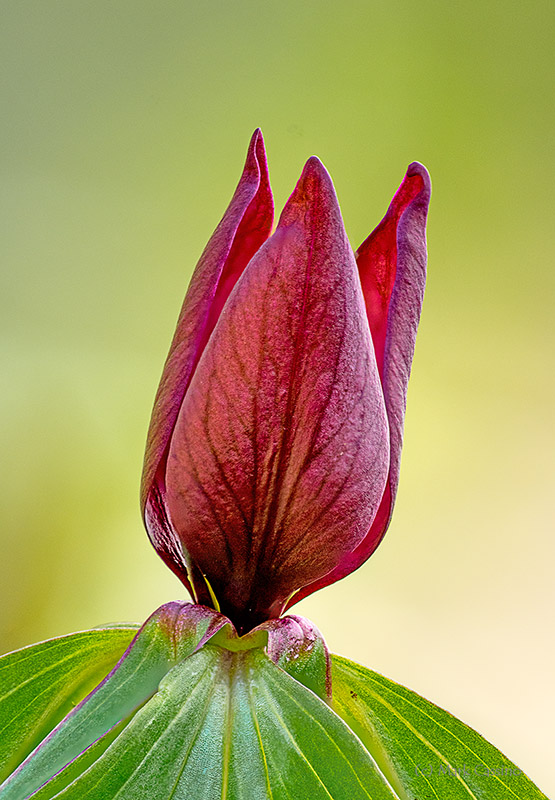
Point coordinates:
[(307, 662), (423, 751), (97, 725), (191, 711), (172, 633), (228, 725), (40, 684)]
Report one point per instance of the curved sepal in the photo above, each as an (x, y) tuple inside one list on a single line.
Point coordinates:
[(421, 749), (298, 647)]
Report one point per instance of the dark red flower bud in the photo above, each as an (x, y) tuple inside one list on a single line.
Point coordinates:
[(273, 452)]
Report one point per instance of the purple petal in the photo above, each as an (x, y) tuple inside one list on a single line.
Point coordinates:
[(392, 267), (243, 229), (280, 453)]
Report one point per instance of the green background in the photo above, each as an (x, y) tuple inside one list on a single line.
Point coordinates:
[(124, 127)]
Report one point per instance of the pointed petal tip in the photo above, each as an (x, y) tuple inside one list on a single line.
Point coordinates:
[(416, 168), (256, 138), (314, 163), (257, 154), (314, 190), (256, 162), (315, 177), (315, 169)]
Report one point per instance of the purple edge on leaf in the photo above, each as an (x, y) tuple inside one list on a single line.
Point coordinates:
[(170, 635)]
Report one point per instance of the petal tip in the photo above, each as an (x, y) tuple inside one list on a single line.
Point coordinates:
[(257, 156), (314, 190), (314, 178), (256, 164), (416, 168), (256, 139), (315, 170)]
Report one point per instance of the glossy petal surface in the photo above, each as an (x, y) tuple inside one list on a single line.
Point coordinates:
[(279, 457), (392, 268)]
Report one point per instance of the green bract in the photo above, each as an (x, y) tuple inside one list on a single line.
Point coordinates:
[(40, 684), (178, 718)]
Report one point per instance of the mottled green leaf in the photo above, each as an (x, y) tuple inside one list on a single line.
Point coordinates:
[(423, 750)]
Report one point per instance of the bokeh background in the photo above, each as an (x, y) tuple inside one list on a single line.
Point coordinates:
[(124, 127)]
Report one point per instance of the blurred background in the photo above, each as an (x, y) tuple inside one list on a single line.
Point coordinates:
[(124, 128)]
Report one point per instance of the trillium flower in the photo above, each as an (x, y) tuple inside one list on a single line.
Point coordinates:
[(271, 470), (272, 459)]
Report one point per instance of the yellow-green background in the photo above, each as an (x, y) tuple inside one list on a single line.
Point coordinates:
[(123, 131)]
